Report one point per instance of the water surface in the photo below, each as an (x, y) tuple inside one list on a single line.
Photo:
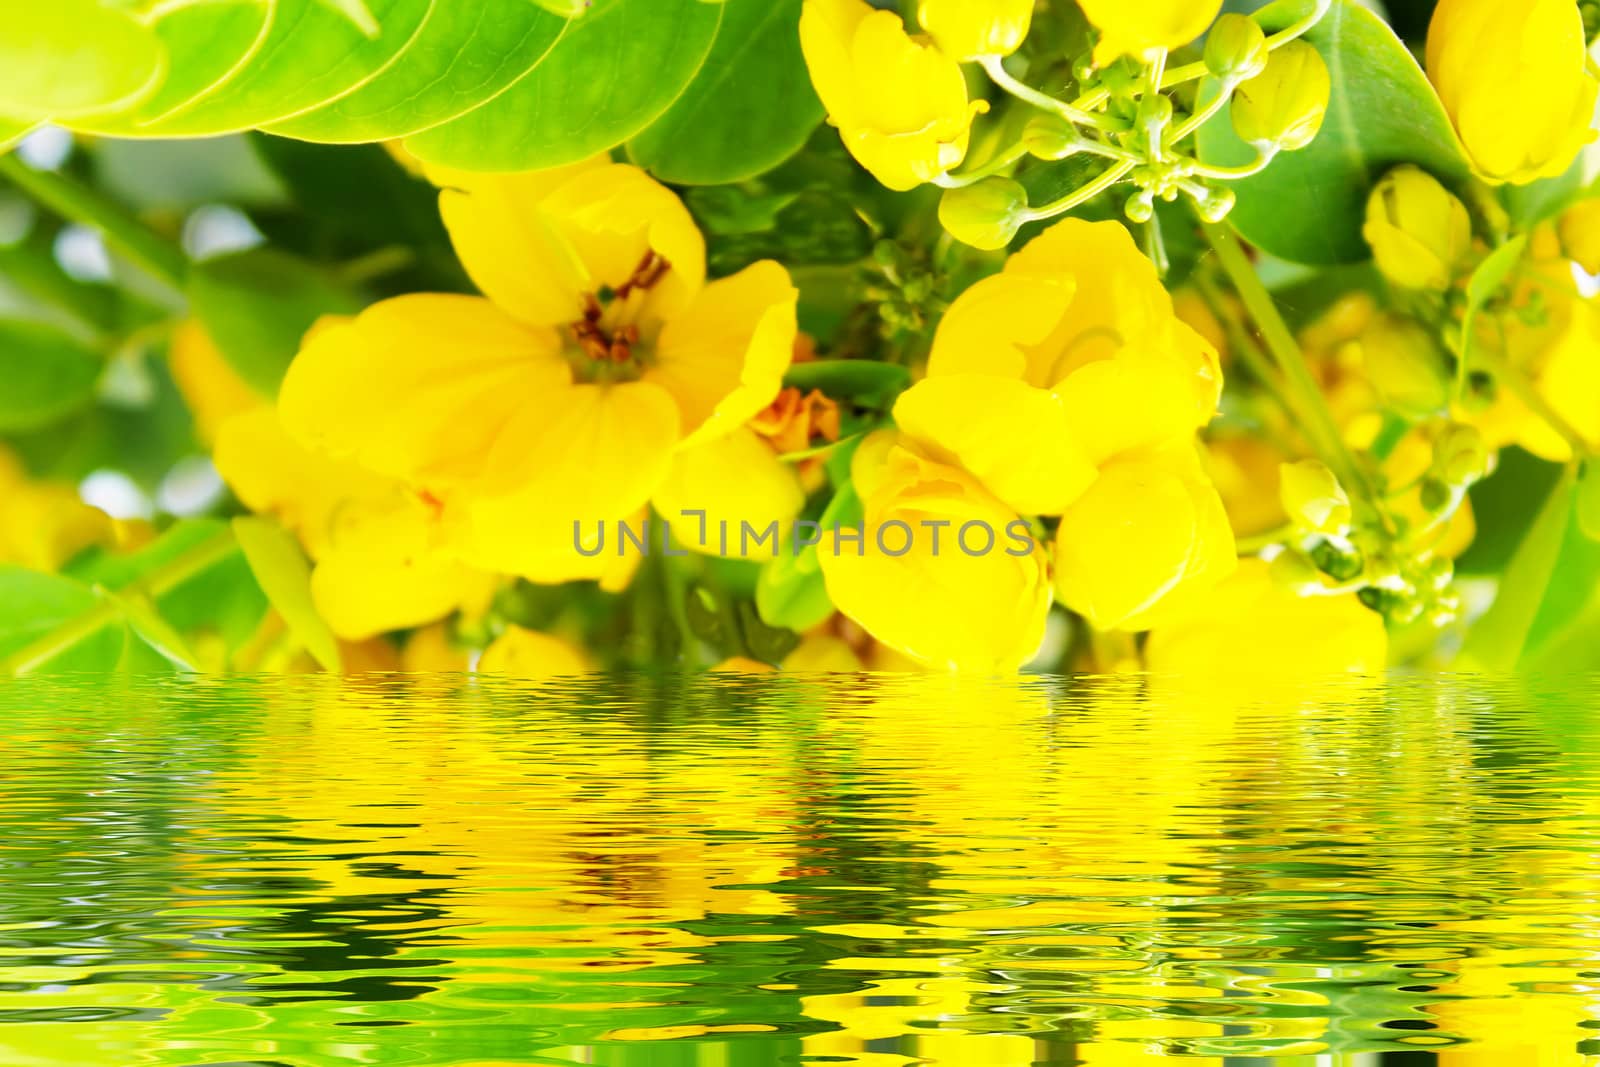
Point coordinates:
[(752, 871)]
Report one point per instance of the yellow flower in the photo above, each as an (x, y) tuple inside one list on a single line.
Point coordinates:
[(1251, 625), (380, 564), (561, 398), (1580, 234), (1282, 108), (1138, 27), (529, 654), (1313, 497), (1148, 537), (945, 572), (716, 493), (212, 390), (1066, 385), (1403, 362), (430, 650), (1420, 234), (900, 105), (1513, 78), (970, 29), (43, 525)]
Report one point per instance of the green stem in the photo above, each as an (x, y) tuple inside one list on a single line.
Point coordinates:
[(1261, 163), (127, 235), (156, 582), (994, 166), (1001, 77), (1083, 195), (1204, 115), (1317, 421)]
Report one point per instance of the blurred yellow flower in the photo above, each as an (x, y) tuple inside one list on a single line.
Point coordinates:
[(1313, 497), (900, 105), (944, 571), (380, 562), (1514, 79), (970, 29), (212, 390), (1251, 625), (1420, 234), (43, 524), (524, 653), (1580, 234), (1138, 27), (563, 395)]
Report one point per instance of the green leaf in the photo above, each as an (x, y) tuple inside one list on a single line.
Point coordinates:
[(1588, 507), (47, 374), (1308, 206), (861, 379), (613, 72), (790, 591), (36, 607), (312, 52), (463, 55), (285, 574), (750, 108), (147, 624), (63, 58), (206, 44), (258, 305), (1498, 640), (1537, 201)]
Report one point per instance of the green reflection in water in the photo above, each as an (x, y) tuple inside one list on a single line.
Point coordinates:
[(753, 871)]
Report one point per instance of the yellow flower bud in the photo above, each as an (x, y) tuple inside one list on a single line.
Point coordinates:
[(986, 214), (1580, 234), (1421, 235), (969, 29), (530, 654), (1405, 366), (1137, 27), (1148, 535), (1463, 455), (900, 105), (1282, 107), (1513, 77), (1236, 48), (1313, 497), (1250, 625)]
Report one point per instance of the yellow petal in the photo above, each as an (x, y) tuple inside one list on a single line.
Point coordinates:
[(996, 325), (1138, 27), (1012, 437), (1140, 400), (419, 387), (211, 389), (1250, 625), (593, 453), (724, 356), (1149, 525), (431, 651), (738, 482), (384, 569), (981, 609), (536, 243), (529, 654)]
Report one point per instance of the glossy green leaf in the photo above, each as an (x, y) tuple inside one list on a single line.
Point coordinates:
[(46, 374), (1498, 640), (206, 45), (790, 591), (1308, 206), (285, 575), (463, 55), (311, 53), (258, 305), (614, 71), (36, 613), (63, 58), (146, 623), (855, 378), (750, 108)]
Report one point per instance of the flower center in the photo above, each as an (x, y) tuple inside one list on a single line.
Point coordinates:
[(607, 337)]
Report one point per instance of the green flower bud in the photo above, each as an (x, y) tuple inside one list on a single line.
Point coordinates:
[(1421, 236), (986, 214), (1341, 563), (1155, 112), (1282, 107), (1462, 456), (1312, 497), (1435, 496), (1048, 137), (1236, 49), (1405, 365)]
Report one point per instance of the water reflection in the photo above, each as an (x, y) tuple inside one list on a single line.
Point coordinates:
[(754, 871)]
